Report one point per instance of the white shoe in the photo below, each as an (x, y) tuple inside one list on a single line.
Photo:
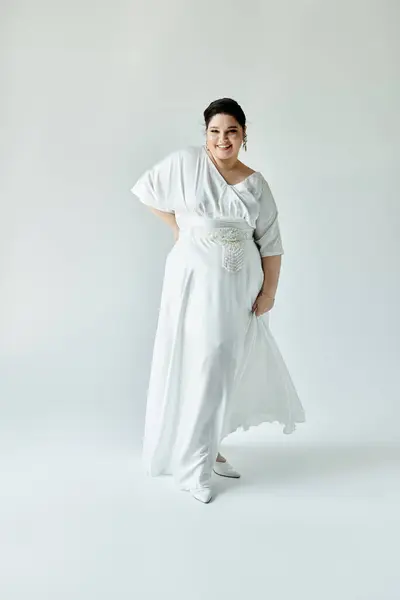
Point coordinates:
[(224, 469), (203, 494)]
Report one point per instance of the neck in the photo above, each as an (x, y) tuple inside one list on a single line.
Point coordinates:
[(227, 165)]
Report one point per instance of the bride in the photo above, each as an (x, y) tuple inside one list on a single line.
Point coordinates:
[(216, 366)]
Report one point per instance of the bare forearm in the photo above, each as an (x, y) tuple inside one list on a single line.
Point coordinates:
[(169, 219), (271, 266)]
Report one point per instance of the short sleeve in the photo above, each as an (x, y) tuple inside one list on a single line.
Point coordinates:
[(157, 186), (267, 233)]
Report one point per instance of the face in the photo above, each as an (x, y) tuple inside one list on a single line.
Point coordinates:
[(224, 136)]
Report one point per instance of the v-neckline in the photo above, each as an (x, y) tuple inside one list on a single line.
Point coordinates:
[(231, 185)]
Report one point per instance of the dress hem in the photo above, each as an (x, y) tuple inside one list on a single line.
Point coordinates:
[(256, 420)]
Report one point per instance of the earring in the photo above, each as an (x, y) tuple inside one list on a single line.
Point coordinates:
[(245, 142)]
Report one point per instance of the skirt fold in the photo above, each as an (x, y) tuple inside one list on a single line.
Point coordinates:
[(216, 366)]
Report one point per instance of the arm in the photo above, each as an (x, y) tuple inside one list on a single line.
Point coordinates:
[(169, 219), (271, 266), (266, 298), (158, 188), (268, 239)]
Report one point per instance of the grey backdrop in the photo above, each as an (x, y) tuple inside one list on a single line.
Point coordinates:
[(96, 93)]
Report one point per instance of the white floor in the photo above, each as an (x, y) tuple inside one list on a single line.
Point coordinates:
[(305, 522)]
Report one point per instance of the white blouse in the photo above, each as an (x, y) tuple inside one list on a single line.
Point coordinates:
[(186, 181)]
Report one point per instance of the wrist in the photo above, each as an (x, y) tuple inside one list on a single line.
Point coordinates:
[(267, 294)]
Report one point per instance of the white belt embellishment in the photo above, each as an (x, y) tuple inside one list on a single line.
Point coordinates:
[(232, 241)]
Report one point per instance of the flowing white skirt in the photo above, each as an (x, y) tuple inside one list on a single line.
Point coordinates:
[(216, 366)]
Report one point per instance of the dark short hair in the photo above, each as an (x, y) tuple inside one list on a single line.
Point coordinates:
[(226, 106)]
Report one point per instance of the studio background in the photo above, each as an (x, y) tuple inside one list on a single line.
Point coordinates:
[(94, 95)]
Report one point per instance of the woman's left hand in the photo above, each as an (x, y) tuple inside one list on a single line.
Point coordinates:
[(262, 304)]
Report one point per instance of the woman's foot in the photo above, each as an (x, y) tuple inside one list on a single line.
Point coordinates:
[(203, 494), (224, 469)]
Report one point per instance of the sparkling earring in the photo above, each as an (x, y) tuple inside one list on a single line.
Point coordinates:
[(245, 143)]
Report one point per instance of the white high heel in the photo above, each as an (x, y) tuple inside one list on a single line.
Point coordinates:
[(224, 469), (203, 494)]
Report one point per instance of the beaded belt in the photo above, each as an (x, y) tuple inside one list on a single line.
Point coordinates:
[(232, 241)]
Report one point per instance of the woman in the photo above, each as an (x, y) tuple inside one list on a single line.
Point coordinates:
[(216, 367)]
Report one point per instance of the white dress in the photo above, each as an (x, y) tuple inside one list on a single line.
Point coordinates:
[(216, 366)]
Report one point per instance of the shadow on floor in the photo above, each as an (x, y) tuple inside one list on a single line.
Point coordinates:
[(273, 465)]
